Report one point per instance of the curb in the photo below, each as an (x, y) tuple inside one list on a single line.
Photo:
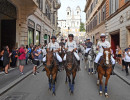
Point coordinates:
[(122, 77), (12, 84)]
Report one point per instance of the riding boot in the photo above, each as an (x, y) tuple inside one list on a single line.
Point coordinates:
[(113, 66)]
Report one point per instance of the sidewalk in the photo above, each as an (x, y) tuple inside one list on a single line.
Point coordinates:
[(122, 74), (14, 76)]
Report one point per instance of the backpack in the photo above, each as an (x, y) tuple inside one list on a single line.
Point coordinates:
[(19, 54)]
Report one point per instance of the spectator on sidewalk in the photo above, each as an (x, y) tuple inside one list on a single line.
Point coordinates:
[(1, 59), (22, 58), (35, 60), (14, 57), (119, 58), (123, 60), (27, 54), (127, 61), (39, 50), (6, 59)]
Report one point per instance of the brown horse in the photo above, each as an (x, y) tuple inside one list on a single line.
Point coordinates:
[(104, 69), (51, 68), (71, 69)]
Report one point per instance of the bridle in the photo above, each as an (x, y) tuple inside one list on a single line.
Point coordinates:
[(52, 63)]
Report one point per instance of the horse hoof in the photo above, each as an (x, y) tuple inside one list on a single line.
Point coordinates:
[(53, 94), (100, 93), (106, 95), (89, 73)]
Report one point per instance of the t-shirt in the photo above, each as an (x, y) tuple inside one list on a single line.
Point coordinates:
[(23, 55), (35, 57), (127, 57), (70, 45), (89, 44), (54, 46), (101, 44)]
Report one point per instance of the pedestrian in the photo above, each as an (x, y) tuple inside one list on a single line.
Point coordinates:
[(123, 60), (119, 55), (14, 57), (1, 59), (27, 54), (22, 58), (6, 59), (127, 61), (39, 50), (35, 59)]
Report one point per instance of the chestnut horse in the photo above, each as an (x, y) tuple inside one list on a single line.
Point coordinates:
[(71, 69), (51, 68), (104, 69)]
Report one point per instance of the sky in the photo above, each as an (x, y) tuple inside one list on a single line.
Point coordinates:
[(73, 4)]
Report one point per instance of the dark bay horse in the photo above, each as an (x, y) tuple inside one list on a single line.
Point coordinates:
[(51, 68), (104, 69), (71, 69)]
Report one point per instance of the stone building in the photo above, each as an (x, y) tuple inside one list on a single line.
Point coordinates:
[(118, 23), (72, 22), (27, 21), (95, 18), (111, 17)]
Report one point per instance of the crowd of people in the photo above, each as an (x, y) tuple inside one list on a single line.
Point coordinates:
[(20, 57), (123, 58)]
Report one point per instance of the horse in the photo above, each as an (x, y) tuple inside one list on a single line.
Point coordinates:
[(51, 68), (104, 69), (89, 60), (71, 69)]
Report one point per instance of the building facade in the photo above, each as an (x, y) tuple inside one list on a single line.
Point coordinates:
[(111, 17), (72, 22), (95, 18), (27, 21)]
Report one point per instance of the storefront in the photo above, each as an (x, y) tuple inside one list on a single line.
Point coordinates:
[(38, 34), (31, 29)]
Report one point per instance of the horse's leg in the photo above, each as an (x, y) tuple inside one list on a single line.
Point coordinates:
[(89, 70), (69, 81), (49, 80), (53, 83), (106, 82), (101, 83), (66, 79), (85, 60), (73, 82)]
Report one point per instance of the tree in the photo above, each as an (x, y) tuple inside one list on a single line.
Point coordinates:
[(82, 29)]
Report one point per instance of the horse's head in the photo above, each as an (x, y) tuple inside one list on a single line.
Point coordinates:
[(107, 55), (69, 60), (49, 59)]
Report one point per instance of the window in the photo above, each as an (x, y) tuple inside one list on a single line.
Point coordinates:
[(116, 4), (40, 4), (99, 18), (111, 7), (67, 13), (126, 1), (103, 16), (77, 12), (37, 37)]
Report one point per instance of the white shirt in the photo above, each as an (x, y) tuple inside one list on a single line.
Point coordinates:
[(127, 57), (101, 44), (70, 45), (54, 46)]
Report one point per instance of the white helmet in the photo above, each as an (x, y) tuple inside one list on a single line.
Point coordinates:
[(102, 35)]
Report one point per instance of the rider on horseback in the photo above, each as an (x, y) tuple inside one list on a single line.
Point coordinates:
[(71, 46), (53, 45), (105, 44), (88, 46)]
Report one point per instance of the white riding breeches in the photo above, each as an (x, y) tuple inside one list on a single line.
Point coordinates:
[(75, 54), (99, 56), (57, 57), (87, 50)]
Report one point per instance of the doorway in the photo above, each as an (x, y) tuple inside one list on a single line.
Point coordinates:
[(115, 40), (8, 33)]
